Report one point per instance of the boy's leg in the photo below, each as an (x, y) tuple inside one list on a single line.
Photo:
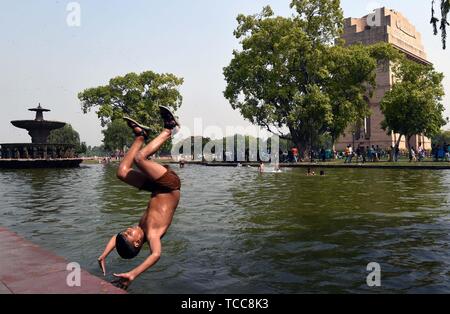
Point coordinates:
[(151, 169), (126, 173)]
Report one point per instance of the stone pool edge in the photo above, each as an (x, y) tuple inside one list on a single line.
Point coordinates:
[(26, 268)]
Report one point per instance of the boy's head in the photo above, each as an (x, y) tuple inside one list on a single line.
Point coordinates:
[(129, 242)]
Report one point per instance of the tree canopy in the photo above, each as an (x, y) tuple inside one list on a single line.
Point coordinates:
[(117, 135), (414, 104), (67, 135), (96, 151), (135, 95), (291, 75), (441, 138)]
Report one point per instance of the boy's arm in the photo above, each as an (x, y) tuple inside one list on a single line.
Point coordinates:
[(108, 249), (155, 247)]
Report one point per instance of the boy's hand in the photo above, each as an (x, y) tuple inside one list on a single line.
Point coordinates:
[(101, 263), (123, 281)]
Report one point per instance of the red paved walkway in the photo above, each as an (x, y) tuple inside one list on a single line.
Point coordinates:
[(27, 268)]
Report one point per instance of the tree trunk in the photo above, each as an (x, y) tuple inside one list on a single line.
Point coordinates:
[(408, 145), (299, 143), (302, 149), (391, 154), (397, 144)]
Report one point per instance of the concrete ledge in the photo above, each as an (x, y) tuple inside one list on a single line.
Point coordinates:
[(25, 268)]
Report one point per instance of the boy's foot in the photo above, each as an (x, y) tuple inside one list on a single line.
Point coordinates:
[(138, 129), (170, 121)]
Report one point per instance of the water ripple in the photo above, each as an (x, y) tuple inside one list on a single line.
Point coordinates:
[(236, 231)]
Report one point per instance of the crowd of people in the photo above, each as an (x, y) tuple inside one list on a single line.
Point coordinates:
[(373, 153), (363, 154), (376, 153), (441, 152)]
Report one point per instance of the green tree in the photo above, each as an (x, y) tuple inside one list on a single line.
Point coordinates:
[(135, 95), (290, 75), (98, 151), (444, 8), (65, 135), (117, 135), (414, 104), (441, 138), (82, 149)]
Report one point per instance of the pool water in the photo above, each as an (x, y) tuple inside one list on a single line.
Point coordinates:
[(238, 231)]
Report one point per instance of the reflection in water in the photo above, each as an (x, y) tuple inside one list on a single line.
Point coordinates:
[(318, 233), (236, 231)]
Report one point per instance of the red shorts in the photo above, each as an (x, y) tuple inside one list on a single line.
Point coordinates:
[(167, 183)]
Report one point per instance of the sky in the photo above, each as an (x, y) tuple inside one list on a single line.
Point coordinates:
[(44, 60)]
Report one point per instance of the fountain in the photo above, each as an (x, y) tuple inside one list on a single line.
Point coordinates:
[(39, 129), (39, 153)]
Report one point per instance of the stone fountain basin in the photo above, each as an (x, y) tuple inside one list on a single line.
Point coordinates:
[(33, 124)]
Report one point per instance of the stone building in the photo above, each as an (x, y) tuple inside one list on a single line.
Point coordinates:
[(384, 25)]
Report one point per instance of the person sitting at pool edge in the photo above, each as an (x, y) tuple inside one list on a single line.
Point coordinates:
[(164, 185)]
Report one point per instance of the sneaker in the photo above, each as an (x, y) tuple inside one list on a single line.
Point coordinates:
[(145, 130), (170, 120)]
